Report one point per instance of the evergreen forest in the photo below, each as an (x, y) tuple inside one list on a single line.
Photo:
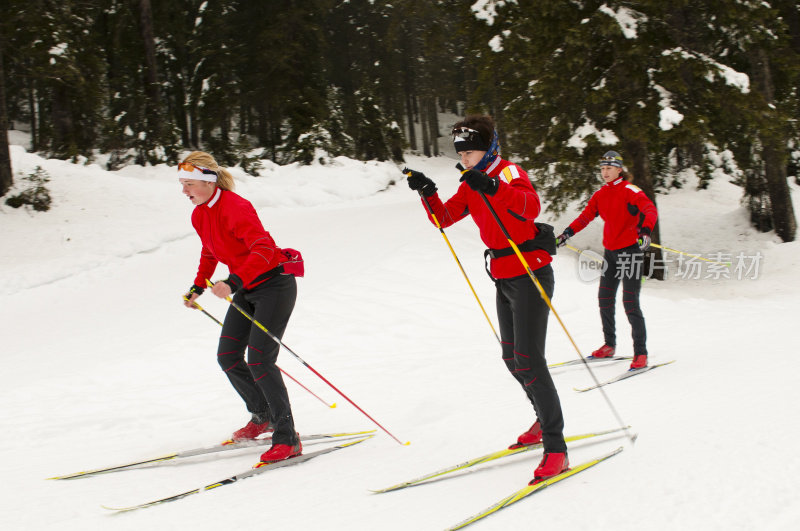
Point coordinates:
[(704, 85)]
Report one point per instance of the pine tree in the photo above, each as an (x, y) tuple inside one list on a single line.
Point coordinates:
[(52, 49), (653, 79)]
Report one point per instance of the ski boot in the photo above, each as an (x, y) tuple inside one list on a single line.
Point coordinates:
[(530, 437), (604, 352)]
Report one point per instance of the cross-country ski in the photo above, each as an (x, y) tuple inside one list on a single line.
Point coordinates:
[(624, 376), (507, 452), (588, 359), (254, 471), (524, 492), (224, 447)]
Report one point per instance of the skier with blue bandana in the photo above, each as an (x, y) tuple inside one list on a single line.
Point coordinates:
[(521, 311)]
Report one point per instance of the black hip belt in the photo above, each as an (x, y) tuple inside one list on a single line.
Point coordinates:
[(267, 275), (545, 239), (525, 247)]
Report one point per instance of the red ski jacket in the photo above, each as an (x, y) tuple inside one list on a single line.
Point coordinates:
[(231, 233), (516, 204), (624, 208)]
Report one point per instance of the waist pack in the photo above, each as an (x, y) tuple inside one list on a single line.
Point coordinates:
[(545, 239), (293, 264)]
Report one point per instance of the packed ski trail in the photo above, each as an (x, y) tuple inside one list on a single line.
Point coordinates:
[(103, 364)]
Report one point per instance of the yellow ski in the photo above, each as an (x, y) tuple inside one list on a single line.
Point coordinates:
[(530, 489)]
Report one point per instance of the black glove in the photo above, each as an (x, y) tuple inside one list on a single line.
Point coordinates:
[(194, 289), (644, 238), (480, 182), (562, 238), (419, 183)]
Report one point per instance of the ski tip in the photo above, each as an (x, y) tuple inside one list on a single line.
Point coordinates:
[(333, 405), (406, 443), (351, 433), (351, 443), (74, 475)]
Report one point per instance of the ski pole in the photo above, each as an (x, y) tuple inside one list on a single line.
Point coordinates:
[(687, 254), (580, 252), (284, 372), (547, 301), (452, 251), (309, 367)]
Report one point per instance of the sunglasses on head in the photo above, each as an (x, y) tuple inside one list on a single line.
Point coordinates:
[(188, 166), (464, 132)]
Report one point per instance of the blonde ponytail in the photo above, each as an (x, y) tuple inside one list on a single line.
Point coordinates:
[(201, 158)]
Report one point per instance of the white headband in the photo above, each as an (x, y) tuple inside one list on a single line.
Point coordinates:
[(199, 174)]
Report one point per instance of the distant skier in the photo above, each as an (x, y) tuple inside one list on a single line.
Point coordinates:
[(629, 218), (232, 233), (521, 312)]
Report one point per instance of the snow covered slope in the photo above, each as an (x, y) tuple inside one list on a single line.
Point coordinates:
[(103, 365)]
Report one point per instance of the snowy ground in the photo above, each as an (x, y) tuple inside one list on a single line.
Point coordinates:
[(104, 365)]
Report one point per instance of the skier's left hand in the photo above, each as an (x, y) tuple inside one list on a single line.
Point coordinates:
[(644, 238), (480, 182)]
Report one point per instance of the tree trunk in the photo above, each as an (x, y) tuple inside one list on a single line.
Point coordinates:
[(774, 138), (181, 117), (783, 219), (6, 175), (423, 121), (412, 134), (636, 150), (433, 125), (63, 137), (150, 69), (32, 106), (194, 129)]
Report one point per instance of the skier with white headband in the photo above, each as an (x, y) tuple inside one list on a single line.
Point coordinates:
[(262, 281)]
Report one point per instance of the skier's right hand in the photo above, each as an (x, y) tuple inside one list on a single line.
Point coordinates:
[(419, 183), (561, 239), (191, 295)]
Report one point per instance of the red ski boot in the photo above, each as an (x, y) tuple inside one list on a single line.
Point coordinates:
[(604, 352), (552, 465), (530, 437), (280, 452), (251, 431), (639, 362)]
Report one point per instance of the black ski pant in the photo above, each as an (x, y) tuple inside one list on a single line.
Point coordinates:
[(258, 380), (626, 266), (523, 314)]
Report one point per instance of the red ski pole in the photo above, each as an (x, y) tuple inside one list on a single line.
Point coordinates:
[(284, 372), (309, 367)]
